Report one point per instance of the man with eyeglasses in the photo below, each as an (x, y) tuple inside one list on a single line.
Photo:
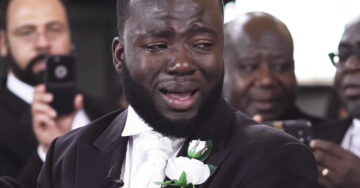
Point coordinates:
[(337, 149), (31, 30)]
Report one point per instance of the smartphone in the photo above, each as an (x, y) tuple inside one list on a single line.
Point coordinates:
[(299, 128), (60, 81)]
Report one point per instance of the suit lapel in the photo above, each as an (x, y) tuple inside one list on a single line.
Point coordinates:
[(97, 161), (216, 128)]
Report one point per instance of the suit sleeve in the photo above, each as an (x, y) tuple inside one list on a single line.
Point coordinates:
[(45, 179), (290, 165), (29, 174)]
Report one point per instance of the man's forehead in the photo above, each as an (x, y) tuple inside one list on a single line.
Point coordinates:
[(176, 9), (351, 34), (35, 12), (181, 15)]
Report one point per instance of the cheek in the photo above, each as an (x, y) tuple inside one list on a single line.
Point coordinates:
[(288, 81), (61, 46), (144, 68), (337, 80), (21, 52), (240, 85)]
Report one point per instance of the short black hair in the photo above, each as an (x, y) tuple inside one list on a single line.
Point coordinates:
[(3, 12), (122, 7), (4, 5)]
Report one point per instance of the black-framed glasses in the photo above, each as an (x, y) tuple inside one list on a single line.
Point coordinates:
[(339, 59)]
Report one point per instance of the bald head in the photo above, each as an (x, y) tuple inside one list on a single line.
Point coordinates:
[(259, 66), (347, 76), (257, 27)]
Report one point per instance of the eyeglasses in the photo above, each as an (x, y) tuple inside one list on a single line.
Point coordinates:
[(340, 58)]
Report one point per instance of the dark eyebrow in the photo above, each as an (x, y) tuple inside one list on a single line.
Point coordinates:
[(166, 33), (196, 28)]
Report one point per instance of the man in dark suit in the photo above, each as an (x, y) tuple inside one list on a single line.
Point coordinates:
[(30, 30), (169, 53), (259, 68), (337, 149)]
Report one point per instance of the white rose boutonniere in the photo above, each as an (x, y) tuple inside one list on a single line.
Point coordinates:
[(190, 171)]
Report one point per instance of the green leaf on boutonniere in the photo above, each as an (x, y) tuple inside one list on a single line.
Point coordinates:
[(209, 146), (182, 182), (166, 183), (212, 168)]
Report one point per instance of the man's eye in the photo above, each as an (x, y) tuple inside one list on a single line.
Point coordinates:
[(249, 68), (203, 46), (281, 67), (25, 33), (55, 29), (153, 48)]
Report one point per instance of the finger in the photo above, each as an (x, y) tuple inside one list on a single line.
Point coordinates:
[(43, 97), (42, 108), (40, 89), (78, 102), (325, 159), (43, 121), (325, 176), (328, 147), (257, 118)]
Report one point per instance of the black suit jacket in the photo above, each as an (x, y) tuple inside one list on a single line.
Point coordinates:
[(246, 154), (18, 156)]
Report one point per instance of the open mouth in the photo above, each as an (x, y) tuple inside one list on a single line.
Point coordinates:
[(178, 99), (352, 91), (266, 105)]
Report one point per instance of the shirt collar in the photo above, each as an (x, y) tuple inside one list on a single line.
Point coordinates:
[(19, 88), (134, 124), (356, 124)]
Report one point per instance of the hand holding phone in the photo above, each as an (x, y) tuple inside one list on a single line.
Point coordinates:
[(299, 128)]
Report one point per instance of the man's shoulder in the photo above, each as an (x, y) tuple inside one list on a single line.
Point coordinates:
[(88, 133), (248, 133)]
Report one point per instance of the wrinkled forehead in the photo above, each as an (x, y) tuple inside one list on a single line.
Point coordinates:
[(157, 13)]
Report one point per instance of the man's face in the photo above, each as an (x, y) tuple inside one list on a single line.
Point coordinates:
[(259, 76), (173, 50), (347, 78), (35, 27)]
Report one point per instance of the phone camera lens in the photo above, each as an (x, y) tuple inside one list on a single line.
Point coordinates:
[(60, 72)]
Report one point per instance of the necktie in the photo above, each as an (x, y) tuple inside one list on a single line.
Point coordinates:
[(158, 149)]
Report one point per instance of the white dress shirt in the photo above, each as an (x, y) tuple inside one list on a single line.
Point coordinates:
[(26, 93), (135, 156), (351, 140)]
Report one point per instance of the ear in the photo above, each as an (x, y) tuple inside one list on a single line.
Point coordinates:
[(3, 44), (118, 53)]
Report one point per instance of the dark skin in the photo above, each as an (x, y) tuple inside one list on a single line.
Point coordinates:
[(174, 53), (344, 166), (347, 78), (259, 71)]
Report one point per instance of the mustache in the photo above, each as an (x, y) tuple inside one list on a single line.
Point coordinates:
[(34, 60)]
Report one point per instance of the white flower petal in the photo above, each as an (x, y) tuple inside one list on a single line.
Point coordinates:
[(196, 171)]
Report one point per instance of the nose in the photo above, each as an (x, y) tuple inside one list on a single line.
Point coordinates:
[(181, 64), (42, 43), (265, 77), (352, 64)]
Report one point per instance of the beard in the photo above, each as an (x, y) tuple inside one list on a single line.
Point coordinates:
[(140, 99), (27, 75)]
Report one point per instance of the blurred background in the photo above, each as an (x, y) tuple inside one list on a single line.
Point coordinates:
[(316, 27)]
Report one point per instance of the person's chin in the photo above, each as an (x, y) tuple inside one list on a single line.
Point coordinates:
[(353, 107)]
